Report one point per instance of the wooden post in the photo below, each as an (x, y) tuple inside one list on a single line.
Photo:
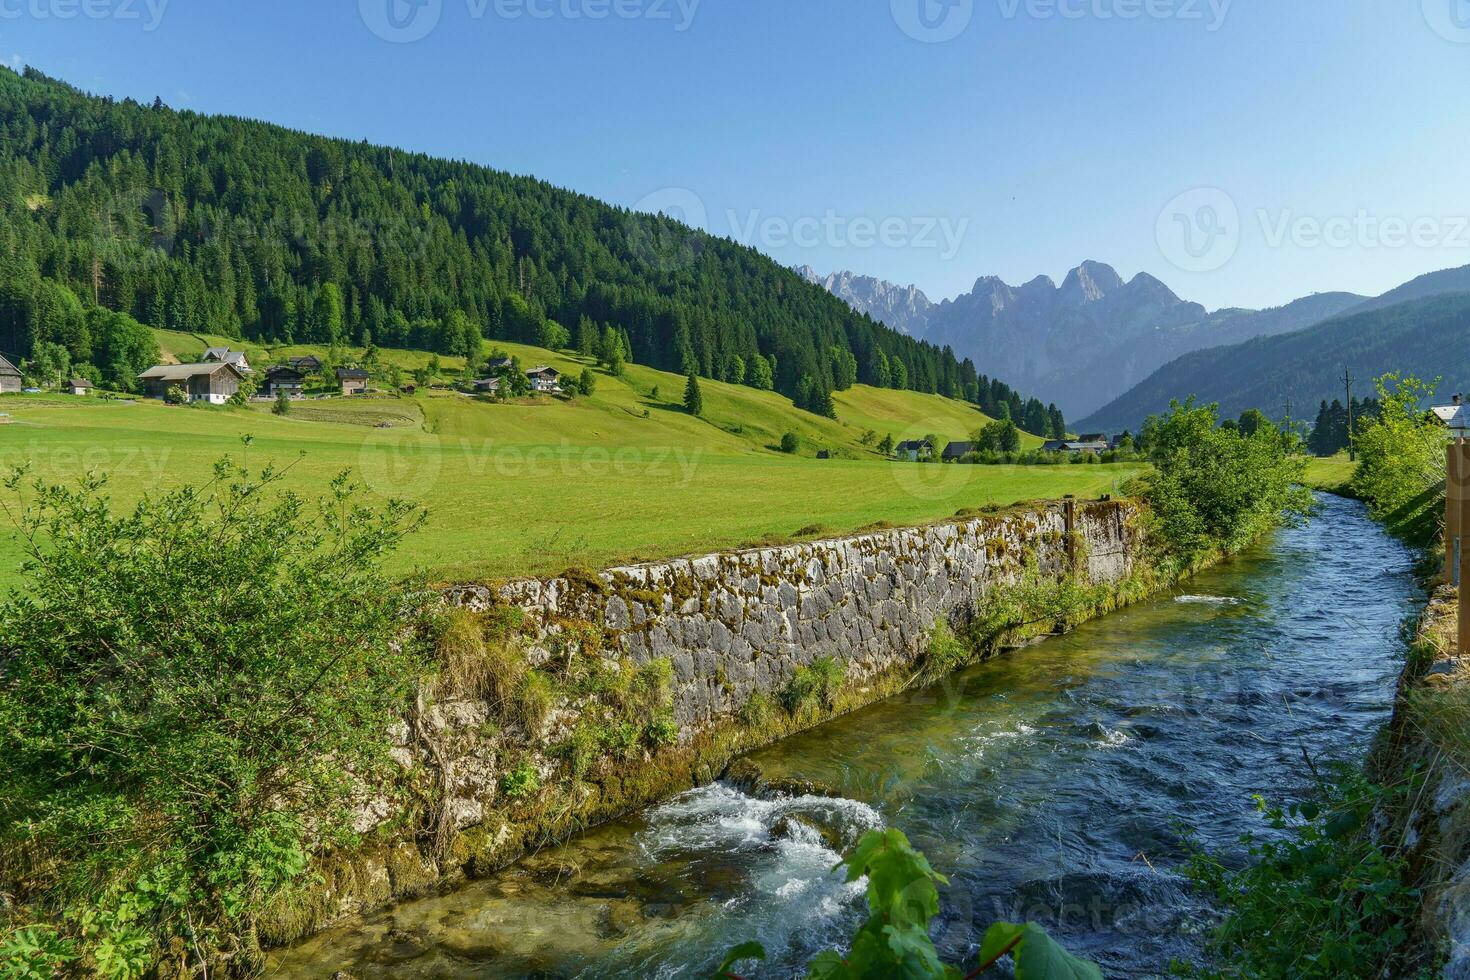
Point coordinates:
[(1451, 512), (1455, 485)]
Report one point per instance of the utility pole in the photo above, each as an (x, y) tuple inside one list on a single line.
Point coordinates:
[(1288, 415), (1347, 381)]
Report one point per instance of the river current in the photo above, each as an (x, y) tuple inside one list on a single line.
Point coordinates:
[(1055, 783)]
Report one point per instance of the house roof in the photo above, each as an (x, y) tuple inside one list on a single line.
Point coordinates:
[(234, 357), (7, 369), (300, 362), (1093, 437), (80, 383), (913, 445), (543, 369), (957, 449), (357, 374), (183, 372), (283, 370), (487, 383)]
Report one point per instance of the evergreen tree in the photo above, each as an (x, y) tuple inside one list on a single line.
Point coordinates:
[(693, 397)]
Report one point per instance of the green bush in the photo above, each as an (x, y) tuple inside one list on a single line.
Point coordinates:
[(520, 782), (1214, 489), (815, 685), (1401, 461), (790, 442), (193, 690), (1319, 897), (663, 731)]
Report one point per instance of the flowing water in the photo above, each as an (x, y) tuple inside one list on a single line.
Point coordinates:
[(1053, 784)]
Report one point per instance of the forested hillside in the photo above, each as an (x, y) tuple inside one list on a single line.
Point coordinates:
[(234, 227), (1421, 337)]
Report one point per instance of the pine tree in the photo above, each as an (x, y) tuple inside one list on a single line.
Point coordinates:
[(693, 397)]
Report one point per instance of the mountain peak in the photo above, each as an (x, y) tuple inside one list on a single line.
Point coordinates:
[(1093, 280)]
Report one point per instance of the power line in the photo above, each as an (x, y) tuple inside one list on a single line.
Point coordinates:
[(1347, 381)]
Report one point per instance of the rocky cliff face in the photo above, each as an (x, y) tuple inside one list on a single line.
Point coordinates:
[(904, 308)]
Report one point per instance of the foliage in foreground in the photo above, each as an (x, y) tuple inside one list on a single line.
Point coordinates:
[(1215, 488), (1401, 460), (188, 695), (903, 895), (1319, 897)]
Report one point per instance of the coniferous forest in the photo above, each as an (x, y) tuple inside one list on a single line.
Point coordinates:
[(116, 215)]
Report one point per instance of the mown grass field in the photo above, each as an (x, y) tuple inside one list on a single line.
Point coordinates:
[(544, 484), (1329, 473)]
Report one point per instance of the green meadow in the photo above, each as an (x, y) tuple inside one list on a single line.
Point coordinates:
[(542, 484)]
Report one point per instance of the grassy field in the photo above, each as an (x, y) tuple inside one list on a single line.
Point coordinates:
[(1329, 473), (544, 484)]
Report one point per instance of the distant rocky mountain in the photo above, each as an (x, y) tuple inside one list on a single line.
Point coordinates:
[(1419, 336), (904, 308), (1080, 344)]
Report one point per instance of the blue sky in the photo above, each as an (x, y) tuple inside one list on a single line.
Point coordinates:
[(1246, 152)]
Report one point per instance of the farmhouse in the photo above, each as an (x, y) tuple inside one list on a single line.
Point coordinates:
[(10, 381), (957, 450), (486, 386), (1101, 437), (1098, 445), (305, 365), (79, 386), (545, 379), (214, 382), (499, 364), (914, 450), (284, 379), (354, 381), (224, 355)]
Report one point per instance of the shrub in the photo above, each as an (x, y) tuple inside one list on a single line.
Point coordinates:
[(530, 705), (1215, 489), (282, 405), (193, 691), (1319, 897), (1401, 461), (520, 782), (813, 685), (790, 442), (946, 653), (662, 731)]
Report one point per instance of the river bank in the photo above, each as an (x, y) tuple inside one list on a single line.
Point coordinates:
[(568, 702), (1050, 783)]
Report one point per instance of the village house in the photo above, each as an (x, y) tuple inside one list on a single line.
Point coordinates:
[(546, 380), (957, 450), (10, 379), (914, 450), (498, 364), (79, 386), (284, 379), (305, 365), (224, 355), (1101, 437), (1098, 445), (486, 386), (215, 382), (354, 381)]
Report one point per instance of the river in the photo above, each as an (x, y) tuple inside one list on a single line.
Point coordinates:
[(1053, 784)]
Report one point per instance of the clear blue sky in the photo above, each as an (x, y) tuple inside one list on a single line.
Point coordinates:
[(1040, 134)]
